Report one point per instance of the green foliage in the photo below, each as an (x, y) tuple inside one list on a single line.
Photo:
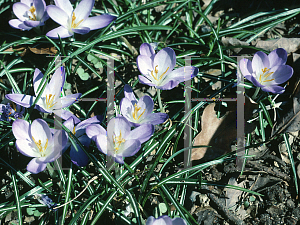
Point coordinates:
[(83, 75), (180, 24)]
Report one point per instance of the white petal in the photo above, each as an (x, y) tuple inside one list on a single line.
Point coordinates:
[(27, 148), (58, 15), (64, 5), (40, 132)]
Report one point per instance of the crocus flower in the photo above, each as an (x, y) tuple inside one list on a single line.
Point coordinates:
[(79, 157), (75, 20), (165, 220), (7, 112), (267, 71), (139, 112), (30, 13), (36, 140), (119, 141), (50, 100), (45, 200), (157, 69)]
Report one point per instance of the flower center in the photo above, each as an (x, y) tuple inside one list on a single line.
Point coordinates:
[(40, 147), (264, 75), (49, 101), (73, 132), (156, 74), (74, 25), (32, 10), (118, 140), (135, 112)]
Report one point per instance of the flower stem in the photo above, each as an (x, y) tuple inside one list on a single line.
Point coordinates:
[(37, 30), (255, 93), (159, 101)]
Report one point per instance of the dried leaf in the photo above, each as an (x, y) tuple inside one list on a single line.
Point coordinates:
[(233, 195), (289, 44), (44, 51), (216, 132), (228, 41), (219, 132)]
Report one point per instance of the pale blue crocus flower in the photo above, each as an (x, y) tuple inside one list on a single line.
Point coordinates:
[(267, 71), (165, 220), (30, 14), (50, 100), (157, 69), (75, 20), (119, 141), (139, 112), (36, 140)]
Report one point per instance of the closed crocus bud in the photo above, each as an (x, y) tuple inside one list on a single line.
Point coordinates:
[(78, 157), (165, 220)]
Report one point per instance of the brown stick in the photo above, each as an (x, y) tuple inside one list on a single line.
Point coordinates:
[(222, 209)]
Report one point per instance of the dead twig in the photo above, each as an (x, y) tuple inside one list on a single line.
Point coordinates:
[(222, 209)]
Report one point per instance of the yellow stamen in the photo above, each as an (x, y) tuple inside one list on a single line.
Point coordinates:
[(136, 109), (73, 130), (155, 69), (163, 73), (118, 140), (32, 10), (49, 101), (74, 25), (265, 75), (39, 145), (156, 73), (268, 80)]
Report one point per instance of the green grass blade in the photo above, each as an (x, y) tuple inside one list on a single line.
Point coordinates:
[(290, 153), (16, 191)]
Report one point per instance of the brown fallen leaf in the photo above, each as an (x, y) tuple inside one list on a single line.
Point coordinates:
[(289, 44), (214, 72), (219, 132), (44, 51), (215, 132), (228, 41), (40, 51), (233, 195)]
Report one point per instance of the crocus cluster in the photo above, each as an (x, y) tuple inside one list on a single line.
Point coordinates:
[(267, 71), (34, 13), (30, 14), (157, 69), (165, 220)]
